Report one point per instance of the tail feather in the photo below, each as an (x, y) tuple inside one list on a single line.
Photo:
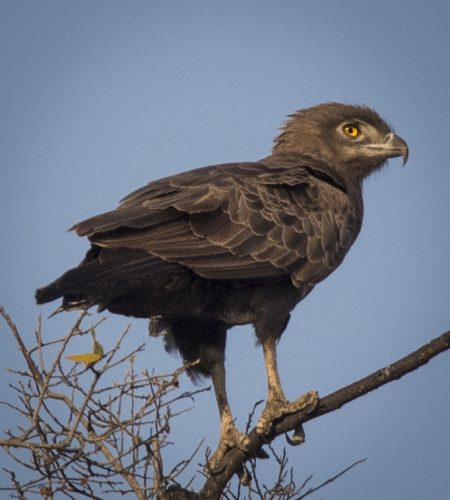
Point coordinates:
[(106, 275)]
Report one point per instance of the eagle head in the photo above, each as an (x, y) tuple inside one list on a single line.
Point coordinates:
[(355, 140)]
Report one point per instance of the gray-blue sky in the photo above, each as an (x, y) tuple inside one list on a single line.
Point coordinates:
[(101, 97)]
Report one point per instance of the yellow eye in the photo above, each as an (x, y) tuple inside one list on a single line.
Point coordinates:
[(351, 130)]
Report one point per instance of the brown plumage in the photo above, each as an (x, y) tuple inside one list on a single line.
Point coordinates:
[(235, 243)]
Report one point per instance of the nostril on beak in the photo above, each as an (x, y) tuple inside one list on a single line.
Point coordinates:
[(389, 138)]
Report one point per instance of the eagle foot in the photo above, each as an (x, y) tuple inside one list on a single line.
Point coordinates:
[(276, 409), (229, 438)]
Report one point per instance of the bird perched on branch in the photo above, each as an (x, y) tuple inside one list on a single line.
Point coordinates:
[(233, 244)]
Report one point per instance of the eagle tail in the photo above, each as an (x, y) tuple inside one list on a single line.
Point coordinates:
[(123, 280)]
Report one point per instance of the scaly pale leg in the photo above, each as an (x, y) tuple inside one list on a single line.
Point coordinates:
[(230, 436), (277, 405)]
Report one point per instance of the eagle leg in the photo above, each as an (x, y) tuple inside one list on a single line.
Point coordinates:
[(202, 343), (277, 405), (230, 436)]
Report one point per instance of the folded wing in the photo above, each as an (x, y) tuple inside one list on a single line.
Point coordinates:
[(268, 220)]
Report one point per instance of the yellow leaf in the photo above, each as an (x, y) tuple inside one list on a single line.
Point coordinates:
[(87, 357)]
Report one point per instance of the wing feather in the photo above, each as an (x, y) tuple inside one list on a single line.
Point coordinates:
[(248, 221)]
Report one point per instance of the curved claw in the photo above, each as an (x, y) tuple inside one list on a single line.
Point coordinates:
[(245, 477), (298, 437)]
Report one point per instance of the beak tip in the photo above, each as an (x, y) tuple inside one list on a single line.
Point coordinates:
[(405, 155), (401, 146)]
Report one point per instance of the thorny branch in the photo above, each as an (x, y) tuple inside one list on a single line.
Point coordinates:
[(86, 436)]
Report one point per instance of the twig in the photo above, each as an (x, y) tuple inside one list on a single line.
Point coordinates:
[(331, 479)]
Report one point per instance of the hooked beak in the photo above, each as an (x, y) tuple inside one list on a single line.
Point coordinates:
[(392, 146)]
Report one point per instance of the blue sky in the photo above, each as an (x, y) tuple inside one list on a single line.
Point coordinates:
[(100, 97)]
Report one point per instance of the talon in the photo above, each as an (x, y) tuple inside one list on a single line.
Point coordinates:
[(262, 454), (298, 437), (245, 477)]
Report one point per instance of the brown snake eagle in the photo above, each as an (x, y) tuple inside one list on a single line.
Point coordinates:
[(237, 243)]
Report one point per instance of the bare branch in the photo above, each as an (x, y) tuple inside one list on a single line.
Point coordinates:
[(234, 459)]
